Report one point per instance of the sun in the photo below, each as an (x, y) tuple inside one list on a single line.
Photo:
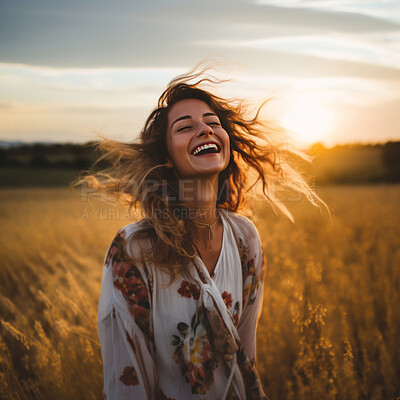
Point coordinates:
[(311, 122)]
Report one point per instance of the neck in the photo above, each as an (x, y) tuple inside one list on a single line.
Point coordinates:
[(201, 197)]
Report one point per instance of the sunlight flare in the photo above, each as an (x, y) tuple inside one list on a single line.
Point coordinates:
[(311, 122)]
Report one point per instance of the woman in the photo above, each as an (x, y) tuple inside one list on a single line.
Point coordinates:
[(182, 288)]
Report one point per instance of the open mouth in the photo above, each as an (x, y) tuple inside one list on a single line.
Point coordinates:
[(207, 148)]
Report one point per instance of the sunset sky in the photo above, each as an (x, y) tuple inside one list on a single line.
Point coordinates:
[(71, 68)]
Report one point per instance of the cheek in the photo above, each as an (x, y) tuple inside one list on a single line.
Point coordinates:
[(175, 147), (170, 146)]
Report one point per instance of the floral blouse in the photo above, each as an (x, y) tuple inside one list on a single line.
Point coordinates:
[(192, 339)]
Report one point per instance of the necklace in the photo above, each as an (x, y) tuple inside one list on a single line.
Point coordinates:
[(209, 226)]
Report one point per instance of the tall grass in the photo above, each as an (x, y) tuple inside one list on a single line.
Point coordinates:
[(331, 320)]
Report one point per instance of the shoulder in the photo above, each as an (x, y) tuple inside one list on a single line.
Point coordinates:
[(129, 230), (126, 259), (249, 244), (127, 242), (244, 227)]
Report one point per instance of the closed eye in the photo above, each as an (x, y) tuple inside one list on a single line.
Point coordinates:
[(184, 127), (189, 127)]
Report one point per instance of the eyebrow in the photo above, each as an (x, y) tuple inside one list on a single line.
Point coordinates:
[(189, 117)]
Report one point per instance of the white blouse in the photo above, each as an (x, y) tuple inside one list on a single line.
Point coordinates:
[(192, 339)]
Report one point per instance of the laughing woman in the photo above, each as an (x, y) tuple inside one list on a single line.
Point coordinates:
[(182, 288)]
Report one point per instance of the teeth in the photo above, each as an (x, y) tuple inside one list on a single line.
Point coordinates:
[(203, 147)]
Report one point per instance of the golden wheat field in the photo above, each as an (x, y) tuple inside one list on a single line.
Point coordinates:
[(330, 326)]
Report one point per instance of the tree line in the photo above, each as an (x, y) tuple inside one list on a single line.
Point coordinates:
[(83, 156)]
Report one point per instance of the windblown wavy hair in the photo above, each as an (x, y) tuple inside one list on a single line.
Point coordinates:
[(139, 178)]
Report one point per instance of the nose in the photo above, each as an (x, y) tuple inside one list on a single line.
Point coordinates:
[(205, 130)]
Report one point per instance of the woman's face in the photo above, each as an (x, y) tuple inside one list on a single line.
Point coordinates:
[(197, 144)]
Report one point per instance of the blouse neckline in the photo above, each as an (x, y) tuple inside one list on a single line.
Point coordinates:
[(224, 233)]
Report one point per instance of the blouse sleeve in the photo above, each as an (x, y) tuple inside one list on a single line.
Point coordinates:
[(253, 290), (124, 327)]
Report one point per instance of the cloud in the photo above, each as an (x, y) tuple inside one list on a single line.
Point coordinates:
[(6, 105), (109, 87), (272, 62), (60, 123), (158, 33), (383, 9), (329, 91), (335, 47)]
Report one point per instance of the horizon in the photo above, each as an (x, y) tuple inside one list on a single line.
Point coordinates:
[(7, 143)]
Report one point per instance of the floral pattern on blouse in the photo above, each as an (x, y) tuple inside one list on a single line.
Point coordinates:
[(189, 290), (194, 353), (116, 247), (227, 297), (250, 278), (129, 281), (129, 377), (236, 311), (250, 376)]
